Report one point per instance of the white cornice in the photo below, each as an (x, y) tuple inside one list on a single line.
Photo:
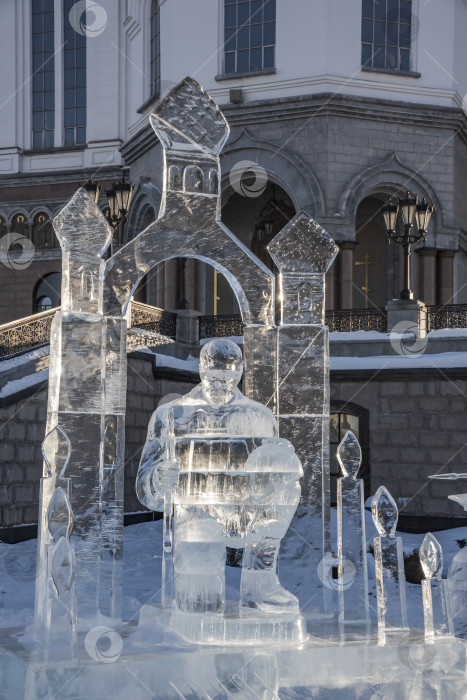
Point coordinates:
[(328, 83)]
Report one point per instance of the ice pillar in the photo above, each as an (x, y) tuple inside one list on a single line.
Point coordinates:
[(389, 566), (303, 252), (87, 387), (351, 536), (436, 603)]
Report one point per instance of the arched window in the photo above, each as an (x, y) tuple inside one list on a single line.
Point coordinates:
[(47, 292), (2, 227), (155, 50), (19, 224), (348, 416), (43, 234)]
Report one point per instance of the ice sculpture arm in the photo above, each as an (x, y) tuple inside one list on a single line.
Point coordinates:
[(157, 473)]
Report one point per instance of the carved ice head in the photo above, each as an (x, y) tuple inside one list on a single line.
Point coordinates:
[(220, 369)]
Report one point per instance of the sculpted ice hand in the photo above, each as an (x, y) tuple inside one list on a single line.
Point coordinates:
[(234, 482)]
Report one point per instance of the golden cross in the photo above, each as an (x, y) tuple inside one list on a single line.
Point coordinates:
[(367, 261)]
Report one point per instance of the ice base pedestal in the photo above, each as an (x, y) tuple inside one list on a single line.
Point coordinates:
[(155, 665), (248, 627)]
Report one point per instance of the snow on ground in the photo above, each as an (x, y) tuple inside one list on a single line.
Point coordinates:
[(16, 385), (443, 359), (142, 572), (24, 359)]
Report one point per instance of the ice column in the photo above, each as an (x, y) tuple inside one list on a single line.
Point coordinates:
[(56, 625), (303, 251), (389, 566), (353, 574), (87, 386), (436, 603)]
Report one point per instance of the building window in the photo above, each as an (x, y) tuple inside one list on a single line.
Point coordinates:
[(43, 74), (249, 35), (20, 225), (47, 292), (74, 60), (386, 34), (347, 416), (43, 233), (155, 48)]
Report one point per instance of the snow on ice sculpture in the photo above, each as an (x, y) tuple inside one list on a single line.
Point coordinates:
[(389, 566), (303, 252), (436, 603), (234, 484), (351, 536)]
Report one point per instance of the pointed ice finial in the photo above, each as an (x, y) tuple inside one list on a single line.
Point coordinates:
[(461, 499), (59, 515), (349, 455), (384, 512), (431, 557), (81, 227), (56, 450), (303, 246), (188, 119), (63, 566)]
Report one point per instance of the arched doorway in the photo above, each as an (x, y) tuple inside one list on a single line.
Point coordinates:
[(255, 221), (47, 292), (348, 416), (370, 260)]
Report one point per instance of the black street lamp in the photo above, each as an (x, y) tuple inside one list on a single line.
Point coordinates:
[(118, 197), (410, 209)]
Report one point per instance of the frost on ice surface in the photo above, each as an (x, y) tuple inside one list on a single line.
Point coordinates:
[(431, 557), (63, 566), (351, 535), (59, 515), (349, 455), (385, 512), (437, 610), (56, 450)]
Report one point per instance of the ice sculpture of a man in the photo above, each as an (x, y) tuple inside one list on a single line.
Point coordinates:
[(233, 483)]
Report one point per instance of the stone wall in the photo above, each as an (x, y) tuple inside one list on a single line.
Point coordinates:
[(417, 428)]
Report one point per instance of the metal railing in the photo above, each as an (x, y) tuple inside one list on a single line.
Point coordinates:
[(25, 334), (452, 316), (33, 331), (220, 326), (346, 320), (153, 319)]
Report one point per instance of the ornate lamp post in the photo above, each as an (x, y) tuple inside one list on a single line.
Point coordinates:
[(411, 210), (119, 197)]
